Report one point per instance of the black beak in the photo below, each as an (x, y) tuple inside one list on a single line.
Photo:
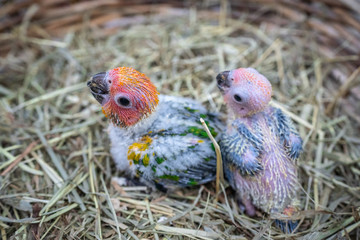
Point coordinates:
[(98, 86), (223, 80)]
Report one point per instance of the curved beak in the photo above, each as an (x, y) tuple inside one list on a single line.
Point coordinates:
[(223, 80), (99, 87)]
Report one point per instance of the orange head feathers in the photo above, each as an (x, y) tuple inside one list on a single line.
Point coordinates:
[(126, 95)]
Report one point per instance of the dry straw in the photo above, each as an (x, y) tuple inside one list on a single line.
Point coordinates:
[(57, 179)]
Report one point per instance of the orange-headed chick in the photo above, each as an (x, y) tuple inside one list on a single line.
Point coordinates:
[(156, 138)]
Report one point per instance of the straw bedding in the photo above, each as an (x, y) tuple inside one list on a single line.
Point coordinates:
[(57, 179)]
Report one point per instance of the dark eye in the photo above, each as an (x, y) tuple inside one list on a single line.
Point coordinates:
[(237, 98), (123, 101)]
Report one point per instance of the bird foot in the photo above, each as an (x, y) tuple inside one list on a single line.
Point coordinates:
[(127, 182), (247, 206)]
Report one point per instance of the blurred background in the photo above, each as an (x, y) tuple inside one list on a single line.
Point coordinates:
[(54, 154)]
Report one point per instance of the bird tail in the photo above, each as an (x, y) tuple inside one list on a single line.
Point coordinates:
[(287, 226)]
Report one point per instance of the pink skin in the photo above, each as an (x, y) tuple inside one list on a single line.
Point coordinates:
[(250, 92), (249, 207), (252, 99), (279, 175), (247, 93), (245, 199)]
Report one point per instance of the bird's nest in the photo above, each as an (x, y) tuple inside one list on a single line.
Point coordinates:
[(57, 178)]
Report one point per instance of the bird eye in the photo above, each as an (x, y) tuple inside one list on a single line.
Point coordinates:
[(123, 101), (237, 98)]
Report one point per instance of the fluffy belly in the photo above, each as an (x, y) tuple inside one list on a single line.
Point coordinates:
[(274, 188)]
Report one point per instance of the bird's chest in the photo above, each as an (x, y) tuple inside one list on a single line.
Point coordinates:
[(269, 138), (119, 149), (274, 157), (271, 150)]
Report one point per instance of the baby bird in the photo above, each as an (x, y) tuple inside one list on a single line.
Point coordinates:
[(260, 146), (155, 138)]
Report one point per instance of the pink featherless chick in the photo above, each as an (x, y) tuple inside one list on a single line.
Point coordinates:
[(260, 146)]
